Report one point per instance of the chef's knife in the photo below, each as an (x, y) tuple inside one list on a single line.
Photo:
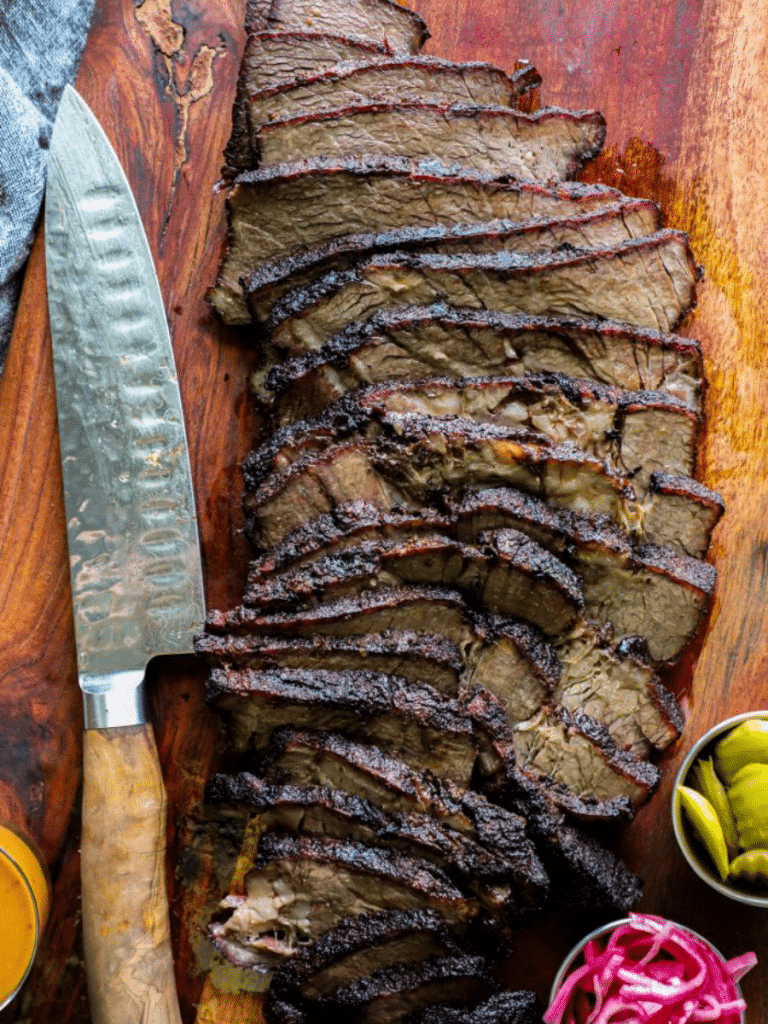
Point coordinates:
[(133, 551)]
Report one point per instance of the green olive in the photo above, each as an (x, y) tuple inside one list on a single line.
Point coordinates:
[(705, 823), (748, 795), (745, 744), (751, 866), (705, 779)]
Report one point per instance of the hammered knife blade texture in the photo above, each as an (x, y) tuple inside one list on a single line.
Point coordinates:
[(131, 524)]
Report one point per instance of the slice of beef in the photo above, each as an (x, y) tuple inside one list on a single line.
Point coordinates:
[(577, 752), (649, 282), (367, 772), (509, 574), (416, 723), (357, 947), (421, 608), (301, 886), (415, 657), (663, 596), (380, 21), (644, 590), (681, 513), (521, 1007), (548, 145), (595, 229), (369, 195), (498, 767), (393, 993), (639, 432), (395, 80), (515, 660), (311, 486), (347, 523), (617, 685), (317, 810), (274, 59), (414, 342)]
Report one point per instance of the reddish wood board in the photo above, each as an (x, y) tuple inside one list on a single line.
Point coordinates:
[(683, 89)]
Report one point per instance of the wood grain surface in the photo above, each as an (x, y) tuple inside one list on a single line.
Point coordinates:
[(683, 85)]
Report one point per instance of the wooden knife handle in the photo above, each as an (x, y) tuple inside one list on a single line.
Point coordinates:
[(126, 929)]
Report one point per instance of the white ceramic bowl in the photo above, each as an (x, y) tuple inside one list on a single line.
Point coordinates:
[(690, 849), (572, 960)]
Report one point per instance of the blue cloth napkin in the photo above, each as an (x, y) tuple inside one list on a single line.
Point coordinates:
[(41, 42)]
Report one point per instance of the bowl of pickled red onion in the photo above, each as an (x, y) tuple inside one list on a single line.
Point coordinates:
[(647, 969)]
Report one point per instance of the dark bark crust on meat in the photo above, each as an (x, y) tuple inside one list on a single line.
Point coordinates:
[(601, 283), (446, 136), (608, 225), (419, 724), (521, 1007), (378, 933), (507, 572), (371, 611), (394, 992), (382, 19), (416, 657), (488, 342)]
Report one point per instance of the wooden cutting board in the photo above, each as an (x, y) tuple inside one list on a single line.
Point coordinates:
[(684, 88)]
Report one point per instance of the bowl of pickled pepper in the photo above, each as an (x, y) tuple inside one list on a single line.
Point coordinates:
[(720, 808)]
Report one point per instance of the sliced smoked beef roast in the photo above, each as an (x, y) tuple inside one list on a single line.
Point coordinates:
[(479, 540)]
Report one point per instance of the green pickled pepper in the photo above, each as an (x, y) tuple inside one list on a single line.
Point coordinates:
[(705, 823), (750, 866), (744, 744), (748, 795), (705, 779)]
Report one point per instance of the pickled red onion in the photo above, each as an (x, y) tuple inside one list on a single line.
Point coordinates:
[(655, 972)]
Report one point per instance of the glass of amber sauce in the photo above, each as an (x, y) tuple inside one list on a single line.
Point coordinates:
[(24, 904)]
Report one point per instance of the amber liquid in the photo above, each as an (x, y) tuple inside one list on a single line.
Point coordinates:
[(24, 902)]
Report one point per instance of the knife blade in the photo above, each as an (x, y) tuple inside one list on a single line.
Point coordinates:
[(135, 566)]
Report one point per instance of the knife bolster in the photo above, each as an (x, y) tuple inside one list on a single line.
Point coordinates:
[(112, 700)]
